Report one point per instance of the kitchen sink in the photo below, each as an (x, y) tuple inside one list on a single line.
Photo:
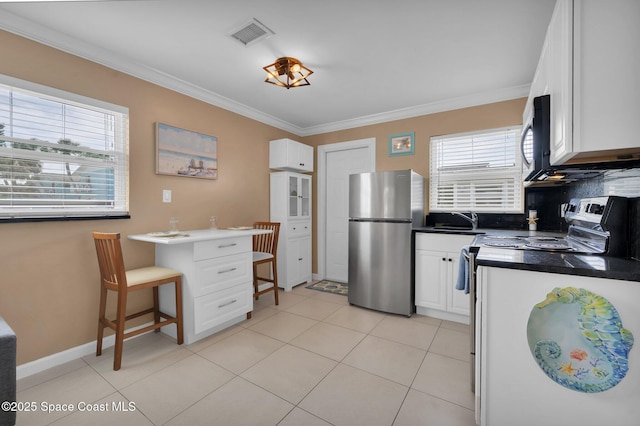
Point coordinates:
[(453, 229)]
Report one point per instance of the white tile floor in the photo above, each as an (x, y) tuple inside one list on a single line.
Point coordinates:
[(312, 360)]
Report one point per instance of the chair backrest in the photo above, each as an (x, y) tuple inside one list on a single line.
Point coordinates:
[(266, 243), (112, 271)]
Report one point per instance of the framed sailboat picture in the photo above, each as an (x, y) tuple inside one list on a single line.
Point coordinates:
[(181, 152)]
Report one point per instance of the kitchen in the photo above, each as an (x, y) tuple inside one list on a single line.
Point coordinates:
[(25, 58)]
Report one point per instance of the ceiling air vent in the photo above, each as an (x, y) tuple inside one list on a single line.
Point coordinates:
[(250, 32)]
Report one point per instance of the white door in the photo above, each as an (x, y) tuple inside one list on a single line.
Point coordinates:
[(340, 160)]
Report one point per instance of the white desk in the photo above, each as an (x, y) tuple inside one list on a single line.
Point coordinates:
[(217, 281)]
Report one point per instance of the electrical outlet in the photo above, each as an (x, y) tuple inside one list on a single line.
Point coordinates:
[(166, 195)]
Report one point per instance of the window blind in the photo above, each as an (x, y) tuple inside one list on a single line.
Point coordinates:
[(61, 155), (479, 172)]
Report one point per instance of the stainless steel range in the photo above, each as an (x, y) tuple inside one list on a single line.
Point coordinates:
[(597, 226)]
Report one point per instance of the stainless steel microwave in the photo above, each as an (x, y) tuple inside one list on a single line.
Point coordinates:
[(535, 139)]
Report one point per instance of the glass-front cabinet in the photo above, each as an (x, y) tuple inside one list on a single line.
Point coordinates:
[(299, 196), (290, 205)]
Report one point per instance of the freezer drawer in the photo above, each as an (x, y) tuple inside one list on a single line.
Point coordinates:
[(380, 266)]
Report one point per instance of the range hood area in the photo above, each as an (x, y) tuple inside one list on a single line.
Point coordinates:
[(567, 173)]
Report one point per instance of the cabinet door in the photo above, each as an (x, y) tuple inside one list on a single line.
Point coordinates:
[(298, 261), (287, 154), (294, 196), (305, 196), (560, 45), (304, 260), (299, 196), (430, 279), (305, 157), (457, 300)]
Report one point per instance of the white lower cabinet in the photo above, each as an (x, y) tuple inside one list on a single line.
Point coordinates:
[(437, 260), (217, 284), (298, 262)]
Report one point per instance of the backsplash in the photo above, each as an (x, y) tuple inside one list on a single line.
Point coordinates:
[(548, 199)]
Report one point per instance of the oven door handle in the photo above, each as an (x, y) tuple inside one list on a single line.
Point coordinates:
[(472, 265)]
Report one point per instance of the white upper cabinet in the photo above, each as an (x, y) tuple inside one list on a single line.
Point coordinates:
[(590, 67), (289, 155)]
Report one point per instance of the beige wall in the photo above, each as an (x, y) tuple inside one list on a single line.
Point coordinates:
[(48, 270), (500, 114)]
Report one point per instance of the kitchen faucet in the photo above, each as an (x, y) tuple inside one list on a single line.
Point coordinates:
[(473, 219)]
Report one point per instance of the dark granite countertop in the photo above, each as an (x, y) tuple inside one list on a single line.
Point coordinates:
[(544, 261), (487, 231), (561, 263)]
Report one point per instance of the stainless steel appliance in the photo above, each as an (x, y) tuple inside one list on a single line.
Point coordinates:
[(535, 139), (597, 226), (535, 142), (383, 208)]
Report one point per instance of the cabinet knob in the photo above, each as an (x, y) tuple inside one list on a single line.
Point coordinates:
[(444, 259), (299, 258), (450, 260)]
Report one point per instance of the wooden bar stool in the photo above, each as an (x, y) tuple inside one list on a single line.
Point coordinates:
[(114, 277), (265, 249)]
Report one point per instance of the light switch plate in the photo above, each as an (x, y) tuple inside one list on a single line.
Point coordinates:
[(166, 195)]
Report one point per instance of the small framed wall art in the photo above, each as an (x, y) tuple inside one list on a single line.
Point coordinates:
[(181, 152), (401, 144)]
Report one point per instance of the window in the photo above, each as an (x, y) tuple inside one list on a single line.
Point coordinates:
[(61, 155), (479, 172)]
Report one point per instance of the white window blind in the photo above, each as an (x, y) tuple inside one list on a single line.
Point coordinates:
[(480, 171), (61, 155)]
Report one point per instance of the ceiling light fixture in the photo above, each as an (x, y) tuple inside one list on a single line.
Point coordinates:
[(287, 72)]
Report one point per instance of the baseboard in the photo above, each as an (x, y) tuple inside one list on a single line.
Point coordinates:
[(448, 316), (42, 364)]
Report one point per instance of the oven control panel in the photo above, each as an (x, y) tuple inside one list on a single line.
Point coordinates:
[(588, 210)]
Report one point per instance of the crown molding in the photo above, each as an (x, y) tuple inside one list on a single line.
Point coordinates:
[(424, 109), (30, 30)]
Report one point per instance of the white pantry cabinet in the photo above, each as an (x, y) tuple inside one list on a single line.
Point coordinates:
[(287, 154), (290, 204), (590, 67), (437, 259)]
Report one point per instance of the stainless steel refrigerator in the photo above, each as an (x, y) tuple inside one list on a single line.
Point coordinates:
[(383, 207)]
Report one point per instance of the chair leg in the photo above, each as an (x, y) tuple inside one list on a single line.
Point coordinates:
[(120, 320), (156, 309), (275, 280), (179, 328), (101, 316), (255, 282)]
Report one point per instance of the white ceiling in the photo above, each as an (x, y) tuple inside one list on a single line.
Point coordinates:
[(373, 60)]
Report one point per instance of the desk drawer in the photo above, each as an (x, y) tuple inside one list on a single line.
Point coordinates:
[(298, 229), (216, 248), (216, 308), (223, 272)]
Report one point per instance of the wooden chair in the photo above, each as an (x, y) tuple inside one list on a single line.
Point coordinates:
[(265, 247), (114, 277)]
